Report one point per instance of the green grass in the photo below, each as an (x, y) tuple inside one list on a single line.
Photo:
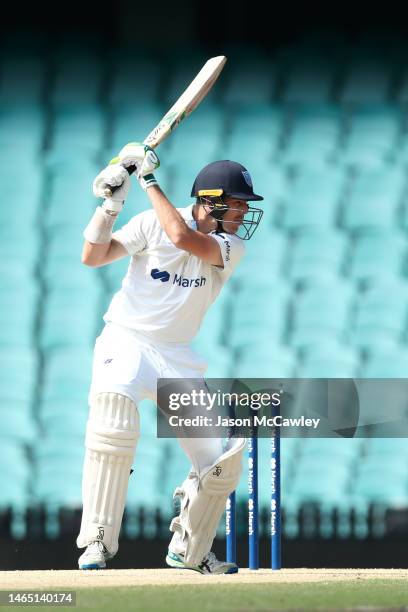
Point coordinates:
[(248, 597)]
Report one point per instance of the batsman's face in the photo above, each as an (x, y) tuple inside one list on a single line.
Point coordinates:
[(235, 214)]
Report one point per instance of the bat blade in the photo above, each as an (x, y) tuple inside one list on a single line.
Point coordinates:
[(184, 106), (188, 101)]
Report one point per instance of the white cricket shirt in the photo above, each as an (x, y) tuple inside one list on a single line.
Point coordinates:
[(167, 291)]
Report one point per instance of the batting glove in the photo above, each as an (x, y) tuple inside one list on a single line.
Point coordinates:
[(115, 176), (144, 159)]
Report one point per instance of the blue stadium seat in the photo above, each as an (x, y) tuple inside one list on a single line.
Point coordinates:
[(60, 276), (316, 253), (62, 327), (264, 120), (67, 376), (184, 67), (72, 294), (179, 191), (271, 182), (265, 360), (374, 198), (14, 482), (329, 361), (377, 252), (22, 132), (64, 421), (258, 148), (388, 447), (388, 362), (18, 274), (70, 211), (391, 488), (321, 313), (331, 449), (26, 194), (59, 475), (124, 90), (18, 373), (60, 448), (248, 81), (254, 320), (306, 148), (78, 79), (270, 331), (389, 464), (263, 256), (22, 80), (81, 126), (64, 245), (324, 483), (372, 136), (189, 165), (15, 463), (18, 304), (18, 423), (10, 248), (313, 199), (368, 80), (310, 80), (401, 95), (380, 314), (137, 119)]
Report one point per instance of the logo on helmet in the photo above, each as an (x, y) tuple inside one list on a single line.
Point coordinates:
[(247, 177)]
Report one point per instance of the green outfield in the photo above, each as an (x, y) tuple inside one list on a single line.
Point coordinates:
[(182, 591), (370, 594)]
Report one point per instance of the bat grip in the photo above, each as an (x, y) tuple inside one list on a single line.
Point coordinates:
[(109, 191)]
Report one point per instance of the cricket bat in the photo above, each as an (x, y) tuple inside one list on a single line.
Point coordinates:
[(187, 102)]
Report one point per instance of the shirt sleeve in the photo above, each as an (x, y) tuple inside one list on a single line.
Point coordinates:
[(132, 235), (232, 249)]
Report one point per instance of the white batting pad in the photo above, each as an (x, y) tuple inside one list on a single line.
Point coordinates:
[(111, 436), (203, 499)]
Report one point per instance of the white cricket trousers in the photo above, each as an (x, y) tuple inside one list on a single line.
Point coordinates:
[(129, 363)]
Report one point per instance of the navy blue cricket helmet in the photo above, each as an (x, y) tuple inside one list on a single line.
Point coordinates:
[(231, 179)]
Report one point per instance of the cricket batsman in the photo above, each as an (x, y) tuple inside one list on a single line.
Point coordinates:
[(149, 325)]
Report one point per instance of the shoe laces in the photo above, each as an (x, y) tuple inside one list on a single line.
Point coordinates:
[(211, 559)]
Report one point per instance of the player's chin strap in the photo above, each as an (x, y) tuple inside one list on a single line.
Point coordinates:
[(217, 209)]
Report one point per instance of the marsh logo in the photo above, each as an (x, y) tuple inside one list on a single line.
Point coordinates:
[(179, 280), (158, 275)]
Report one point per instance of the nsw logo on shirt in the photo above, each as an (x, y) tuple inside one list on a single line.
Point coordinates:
[(179, 280)]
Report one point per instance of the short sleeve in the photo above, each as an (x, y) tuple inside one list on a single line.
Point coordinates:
[(132, 235), (232, 249)]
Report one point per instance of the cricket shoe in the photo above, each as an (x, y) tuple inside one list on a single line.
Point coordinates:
[(209, 565), (94, 557)]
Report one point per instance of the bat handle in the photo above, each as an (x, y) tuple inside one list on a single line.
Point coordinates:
[(109, 191)]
